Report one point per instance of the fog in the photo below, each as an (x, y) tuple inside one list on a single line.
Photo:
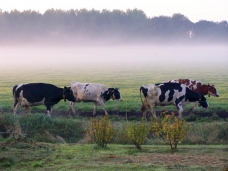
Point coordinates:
[(119, 57)]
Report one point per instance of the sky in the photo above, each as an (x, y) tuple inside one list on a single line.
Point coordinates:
[(195, 10)]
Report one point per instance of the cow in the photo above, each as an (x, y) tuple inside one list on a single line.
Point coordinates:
[(34, 94), (99, 94), (164, 94), (197, 86)]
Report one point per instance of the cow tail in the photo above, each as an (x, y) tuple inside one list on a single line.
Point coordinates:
[(143, 108), (14, 95), (140, 90), (14, 91), (14, 88)]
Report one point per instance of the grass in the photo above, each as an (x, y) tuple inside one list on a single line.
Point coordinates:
[(125, 72), (128, 83), (42, 156)]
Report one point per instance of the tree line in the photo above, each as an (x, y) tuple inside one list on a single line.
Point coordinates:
[(113, 26)]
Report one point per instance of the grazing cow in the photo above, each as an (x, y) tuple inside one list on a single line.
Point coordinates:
[(96, 93), (197, 87), (164, 94), (34, 94)]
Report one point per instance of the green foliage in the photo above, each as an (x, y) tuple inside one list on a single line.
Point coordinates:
[(42, 128), (137, 132), (7, 122), (69, 129), (172, 129), (35, 124), (101, 131), (121, 133), (223, 132), (207, 133), (6, 162)]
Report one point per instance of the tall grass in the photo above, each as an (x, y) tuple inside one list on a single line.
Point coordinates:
[(43, 128)]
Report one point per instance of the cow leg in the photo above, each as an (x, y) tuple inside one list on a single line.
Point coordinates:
[(95, 109), (49, 110), (28, 111), (72, 107), (153, 112), (194, 107), (151, 103), (180, 110), (15, 108), (144, 113), (104, 108), (101, 103)]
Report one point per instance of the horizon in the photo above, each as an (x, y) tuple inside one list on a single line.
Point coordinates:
[(201, 10)]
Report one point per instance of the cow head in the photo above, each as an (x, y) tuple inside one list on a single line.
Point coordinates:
[(212, 91), (203, 102), (115, 94), (68, 94)]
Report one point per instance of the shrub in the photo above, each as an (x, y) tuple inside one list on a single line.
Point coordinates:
[(9, 124), (207, 133), (69, 129), (137, 132), (172, 129), (101, 131), (43, 128), (223, 132), (35, 124), (121, 133)]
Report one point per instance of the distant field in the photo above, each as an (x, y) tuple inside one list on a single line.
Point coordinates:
[(126, 69)]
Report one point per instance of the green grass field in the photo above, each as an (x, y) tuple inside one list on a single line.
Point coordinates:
[(125, 72), (84, 157)]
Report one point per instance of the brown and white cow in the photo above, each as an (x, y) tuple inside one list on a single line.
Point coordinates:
[(165, 94), (99, 94), (197, 86)]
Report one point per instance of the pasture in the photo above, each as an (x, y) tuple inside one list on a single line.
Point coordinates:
[(124, 67)]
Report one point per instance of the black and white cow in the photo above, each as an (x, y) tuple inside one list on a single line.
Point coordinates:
[(165, 94), (34, 94), (99, 94)]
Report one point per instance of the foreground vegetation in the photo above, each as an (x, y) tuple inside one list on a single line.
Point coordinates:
[(41, 156), (42, 128), (69, 146)]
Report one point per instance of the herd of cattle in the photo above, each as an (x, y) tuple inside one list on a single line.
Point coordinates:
[(173, 92)]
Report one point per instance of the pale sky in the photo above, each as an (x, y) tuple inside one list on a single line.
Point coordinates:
[(195, 10)]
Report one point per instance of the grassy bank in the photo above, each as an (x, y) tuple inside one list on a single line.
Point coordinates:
[(41, 156)]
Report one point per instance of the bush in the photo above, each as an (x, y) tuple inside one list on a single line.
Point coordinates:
[(8, 124), (35, 124), (101, 131), (121, 133), (43, 128), (69, 129), (137, 132), (207, 133), (171, 129)]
